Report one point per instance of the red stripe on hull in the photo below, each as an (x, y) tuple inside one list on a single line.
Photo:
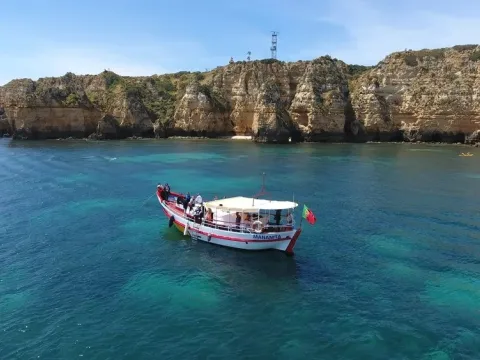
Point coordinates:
[(222, 237), (229, 238)]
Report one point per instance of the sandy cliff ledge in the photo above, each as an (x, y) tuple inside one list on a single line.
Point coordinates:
[(427, 95)]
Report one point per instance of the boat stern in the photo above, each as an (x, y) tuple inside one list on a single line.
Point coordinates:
[(293, 241)]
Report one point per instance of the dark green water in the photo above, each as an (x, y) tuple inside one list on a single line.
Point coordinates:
[(89, 268)]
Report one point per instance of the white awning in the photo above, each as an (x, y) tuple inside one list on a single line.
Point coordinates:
[(245, 204)]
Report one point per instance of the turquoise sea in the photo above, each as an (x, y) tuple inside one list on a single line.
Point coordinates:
[(90, 269)]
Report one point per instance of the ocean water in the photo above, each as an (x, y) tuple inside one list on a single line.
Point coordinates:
[(90, 269)]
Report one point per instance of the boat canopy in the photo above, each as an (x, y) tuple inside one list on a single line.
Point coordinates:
[(245, 204)]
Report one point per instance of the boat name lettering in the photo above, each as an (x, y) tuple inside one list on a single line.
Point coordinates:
[(266, 237)]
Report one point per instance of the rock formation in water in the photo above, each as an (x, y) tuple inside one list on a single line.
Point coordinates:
[(427, 95)]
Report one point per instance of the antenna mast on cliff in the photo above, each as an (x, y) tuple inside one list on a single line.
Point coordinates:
[(273, 48)]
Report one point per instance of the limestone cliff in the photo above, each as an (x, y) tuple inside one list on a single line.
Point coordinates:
[(428, 95)]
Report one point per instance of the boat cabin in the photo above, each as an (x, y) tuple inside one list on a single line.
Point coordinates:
[(249, 214)]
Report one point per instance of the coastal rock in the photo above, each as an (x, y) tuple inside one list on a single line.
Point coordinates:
[(5, 128), (426, 95), (71, 106), (473, 138), (274, 101), (201, 112)]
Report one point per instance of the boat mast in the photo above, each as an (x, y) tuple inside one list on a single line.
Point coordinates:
[(262, 190)]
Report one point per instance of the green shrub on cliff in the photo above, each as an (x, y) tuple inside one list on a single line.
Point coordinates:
[(158, 95), (322, 60), (411, 60), (411, 57), (464, 47), (355, 70), (94, 98), (475, 56), (435, 53), (217, 100), (270, 61), (161, 101), (72, 100), (111, 79), (180, 74)]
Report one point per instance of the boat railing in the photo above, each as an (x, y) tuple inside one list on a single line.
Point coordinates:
[(246, 228), (232, 226)]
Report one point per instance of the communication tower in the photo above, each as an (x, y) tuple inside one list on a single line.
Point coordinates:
[(273, 48), (248, 57)]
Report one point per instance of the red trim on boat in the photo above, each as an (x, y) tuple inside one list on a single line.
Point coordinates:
[(222, 237), (229, 238), (290, 246)]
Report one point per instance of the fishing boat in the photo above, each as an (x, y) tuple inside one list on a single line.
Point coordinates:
[(240, 222)]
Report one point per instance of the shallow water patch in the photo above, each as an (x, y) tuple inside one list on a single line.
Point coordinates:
[(390, 245), (147, 228), (14, 301), (406, 272), (436, 355), (75, 179), (79, 208), (173, 293), (458, 294), (171, 158)]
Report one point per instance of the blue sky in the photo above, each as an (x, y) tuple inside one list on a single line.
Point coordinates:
[(51, 37)]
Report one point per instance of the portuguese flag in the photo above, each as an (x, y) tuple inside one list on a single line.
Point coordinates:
[(308, 215)]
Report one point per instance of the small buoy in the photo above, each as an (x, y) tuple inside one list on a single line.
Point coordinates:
[(171, 221)]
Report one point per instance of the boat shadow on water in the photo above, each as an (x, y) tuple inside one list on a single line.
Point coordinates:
[(239, 264), (268, 262)]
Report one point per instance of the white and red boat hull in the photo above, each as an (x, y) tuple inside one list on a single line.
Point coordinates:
[(282, 240)]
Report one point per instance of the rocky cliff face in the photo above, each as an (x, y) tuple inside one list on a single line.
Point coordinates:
[(428, 95)]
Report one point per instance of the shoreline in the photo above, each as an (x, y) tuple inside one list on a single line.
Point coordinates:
[(240, 138)]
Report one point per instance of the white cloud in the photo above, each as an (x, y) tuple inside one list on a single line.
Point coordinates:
[(375, 32)]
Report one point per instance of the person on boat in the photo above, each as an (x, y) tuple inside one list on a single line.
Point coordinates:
[(166, 190), (278, 216), (238, 219), (180, 199), (198, 199), (186, 201), (198, 214), (193, 200), (191, 203), (289, 218), (190, 208), (247, 221), (209, 217)]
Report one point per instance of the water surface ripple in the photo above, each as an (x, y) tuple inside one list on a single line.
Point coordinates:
[(89, 268)]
